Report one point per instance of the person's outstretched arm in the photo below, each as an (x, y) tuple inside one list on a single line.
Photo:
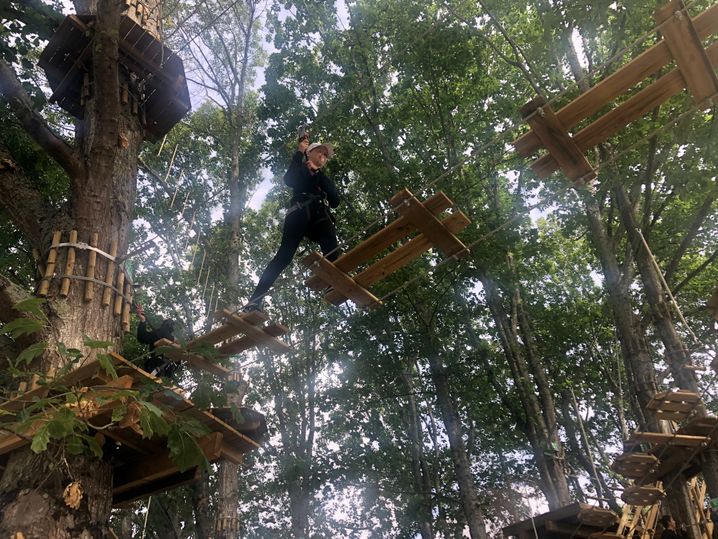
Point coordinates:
[(292, 175)]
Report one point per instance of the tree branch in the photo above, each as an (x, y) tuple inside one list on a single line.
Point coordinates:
[(35, 124), (23, 203)]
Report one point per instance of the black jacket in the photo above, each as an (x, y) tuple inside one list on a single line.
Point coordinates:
[(151, 337), (302, 181)]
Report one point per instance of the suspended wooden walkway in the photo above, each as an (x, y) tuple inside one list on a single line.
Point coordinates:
[(142, 465), (237, 333), (339, 284), (682, 43)]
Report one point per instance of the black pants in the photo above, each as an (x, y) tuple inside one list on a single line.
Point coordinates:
[(312, 222)]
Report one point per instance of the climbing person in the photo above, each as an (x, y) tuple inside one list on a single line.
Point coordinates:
[(670, 529), (309, 215), (156, 363)]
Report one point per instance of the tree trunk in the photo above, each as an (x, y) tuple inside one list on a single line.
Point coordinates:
[(459, 456), (420, 472), (102, 171)]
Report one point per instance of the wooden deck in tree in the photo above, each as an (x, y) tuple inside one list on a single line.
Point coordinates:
[(575, 520), (682, 42), (673, 405), (142, 465), (642, 495), (635, 465), (344, 280), (65, 59)]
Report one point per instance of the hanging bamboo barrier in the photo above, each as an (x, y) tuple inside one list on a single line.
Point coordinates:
[(115, 279)]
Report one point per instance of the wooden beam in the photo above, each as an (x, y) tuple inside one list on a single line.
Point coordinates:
[(225, 331), (428, 225), (642, 495), (554, 137), (245, 343), (401, 257), (686, 47), (174, 351), (69, 266), (660, 438), (256, 334), (645, 65), (341, 282)]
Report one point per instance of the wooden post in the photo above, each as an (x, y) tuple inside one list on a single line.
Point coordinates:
[(110, 276), (126, 308), (120, 285), (50, 268), (69, 265), (91, 264)]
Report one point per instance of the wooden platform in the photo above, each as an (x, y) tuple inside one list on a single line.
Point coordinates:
[(575, 520), (142, 465), (635, 465), (66, 61), (345, 280), (673, 405), (695, 71), (642, 494)]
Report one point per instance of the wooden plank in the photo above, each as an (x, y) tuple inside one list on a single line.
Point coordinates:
[(245, 343), (50, 267), (175, 351), (126, 499), (687, 49), (226, 331), (645, 65), (429, 226), (568, 530), (634, 465), (660, 438), (144, 471), (255, 333), (554, 137), (401, 257), (598, 517), (341, 282), (110, 275), (379, 241), (91, 265), (633, 108), (69, 265)]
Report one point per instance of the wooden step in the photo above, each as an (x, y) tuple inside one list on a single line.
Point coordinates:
[(659, 438), (673, 405), (598, 517), (642, 495), (635, 465)]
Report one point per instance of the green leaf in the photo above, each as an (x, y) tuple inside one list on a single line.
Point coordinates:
[(32, 351), (74, 445), (30, 305), (184, 450), (40, 440), (119, 413), (92, 444), (94, 345), (106, 364), (22, 326)]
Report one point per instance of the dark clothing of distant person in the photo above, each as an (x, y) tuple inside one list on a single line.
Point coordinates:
[(155, 361), (308, 216)]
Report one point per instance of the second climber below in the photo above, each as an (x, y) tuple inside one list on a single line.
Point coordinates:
[(309, 215)]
